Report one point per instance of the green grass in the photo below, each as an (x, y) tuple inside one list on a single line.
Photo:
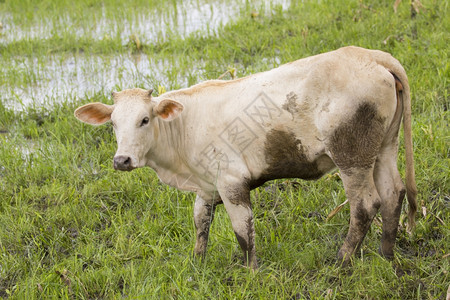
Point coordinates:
[(72, 227)]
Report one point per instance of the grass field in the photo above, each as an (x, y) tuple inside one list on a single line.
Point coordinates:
[(72, 227)]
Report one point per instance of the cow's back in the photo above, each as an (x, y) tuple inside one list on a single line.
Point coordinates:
[(298, 105)]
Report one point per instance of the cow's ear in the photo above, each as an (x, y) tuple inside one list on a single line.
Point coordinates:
[(168, 109), (94, 113)]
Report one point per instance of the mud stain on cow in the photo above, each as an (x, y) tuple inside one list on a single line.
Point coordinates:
[(286, 157), (239, 195), (390, 226), (326, 106), (358, 228), (202, 225), (363, 220), (301, 108), (362, 215), (355, 143), (291, 104), (246, 241)]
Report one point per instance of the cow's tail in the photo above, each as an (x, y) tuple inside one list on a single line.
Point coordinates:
[(404, 95)]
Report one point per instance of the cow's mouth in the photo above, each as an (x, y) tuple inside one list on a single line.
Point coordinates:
[(123, 163)]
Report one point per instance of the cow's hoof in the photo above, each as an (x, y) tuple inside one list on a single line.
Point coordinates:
[(343, 260), (389, 255)]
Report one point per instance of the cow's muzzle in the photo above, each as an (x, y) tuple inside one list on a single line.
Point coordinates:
[(123, 163)]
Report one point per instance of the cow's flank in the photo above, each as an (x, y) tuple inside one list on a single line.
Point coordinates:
[(356, 142)]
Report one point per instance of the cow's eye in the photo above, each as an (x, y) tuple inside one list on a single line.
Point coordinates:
[(144, 121)]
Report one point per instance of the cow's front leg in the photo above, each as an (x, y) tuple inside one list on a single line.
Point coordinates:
[(203, 216), (237, 203)]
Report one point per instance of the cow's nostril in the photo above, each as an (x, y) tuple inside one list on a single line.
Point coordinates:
[(123, 163)]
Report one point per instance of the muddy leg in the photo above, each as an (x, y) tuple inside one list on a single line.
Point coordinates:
[(203, 216), (237, 204), (354, 147), (391, 190), (364, 203)]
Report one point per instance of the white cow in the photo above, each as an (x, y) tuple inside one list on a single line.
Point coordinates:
[(221, 139)]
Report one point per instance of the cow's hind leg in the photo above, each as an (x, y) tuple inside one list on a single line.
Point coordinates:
[(203, 216), (392, 191), (364, 203), (354, 147)]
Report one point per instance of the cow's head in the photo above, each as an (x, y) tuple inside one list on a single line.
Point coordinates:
[(134, 116)]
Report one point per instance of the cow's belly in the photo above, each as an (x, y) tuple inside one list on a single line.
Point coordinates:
[(286, 156), (293, 168), (296, 167)]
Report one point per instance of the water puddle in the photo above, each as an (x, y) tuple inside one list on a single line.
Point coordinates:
[(48, 80), (58, 79), (149, 23)]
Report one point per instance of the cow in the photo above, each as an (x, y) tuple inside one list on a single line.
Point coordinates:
[(221, 139)]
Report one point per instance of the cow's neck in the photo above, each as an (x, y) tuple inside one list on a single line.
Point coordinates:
[(167, 159), (168, 140)]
